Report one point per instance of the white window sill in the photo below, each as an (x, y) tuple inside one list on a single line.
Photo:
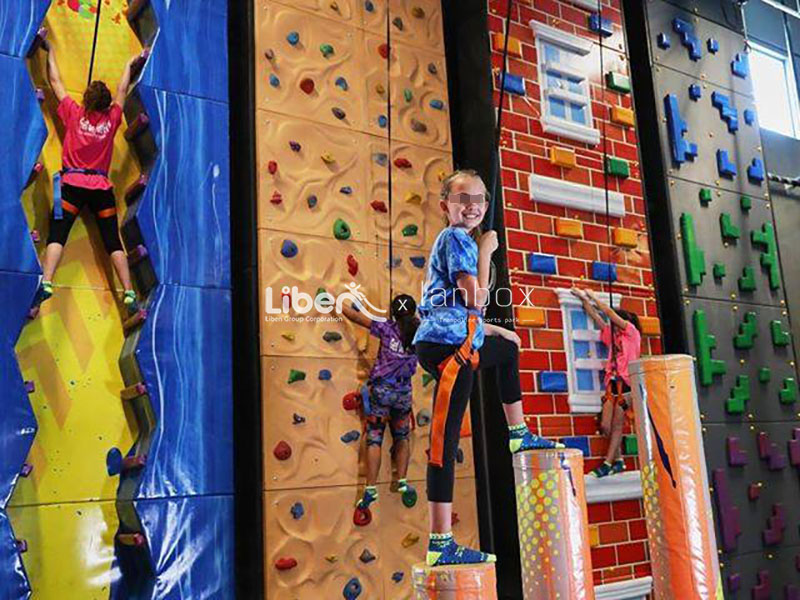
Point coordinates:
[(573, 131), (632, 589), (575, 196), (625, 486)]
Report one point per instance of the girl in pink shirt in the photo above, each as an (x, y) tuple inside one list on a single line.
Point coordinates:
[(626, 348)]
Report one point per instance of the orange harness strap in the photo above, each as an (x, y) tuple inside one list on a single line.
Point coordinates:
[(448, 373)]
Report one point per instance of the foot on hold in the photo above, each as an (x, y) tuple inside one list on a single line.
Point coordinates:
[(370, 496), (408, 493), (618, 466), (604, 470), (46, 291), (521, 439), (443, 550), (130, 302)]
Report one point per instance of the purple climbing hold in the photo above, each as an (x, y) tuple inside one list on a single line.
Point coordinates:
[(734, 582), (295, 146), (332, 336), (397, 576), (289, 249), (312, 201), (350, 436), (338, 113), (30, 387), (26, 470), (22, 546), (297, 419), (40, 94), (297, 511), (352, 589)]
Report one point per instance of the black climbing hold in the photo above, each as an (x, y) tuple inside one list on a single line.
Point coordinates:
[(338, 113), (366, 556), (398, 22), (332, 336), (312, 201), (346, 190), (297, 419), (350, 436), (460, 456), (397, 576), (432, 69), (369, 6), (297, 511)]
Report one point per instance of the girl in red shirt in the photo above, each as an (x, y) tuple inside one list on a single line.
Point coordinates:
[(83, 181)]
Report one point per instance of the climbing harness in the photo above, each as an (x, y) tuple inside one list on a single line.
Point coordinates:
[(58, 201)]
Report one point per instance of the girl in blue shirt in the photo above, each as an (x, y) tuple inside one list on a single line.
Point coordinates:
[(452, 342)]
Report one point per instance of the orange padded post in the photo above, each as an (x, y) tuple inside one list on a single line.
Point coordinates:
[(467, 582)]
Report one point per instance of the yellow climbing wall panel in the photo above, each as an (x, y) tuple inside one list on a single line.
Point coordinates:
[(324, 89), (65, 509)]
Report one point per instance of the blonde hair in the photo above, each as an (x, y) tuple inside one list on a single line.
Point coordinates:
[(447, 186)]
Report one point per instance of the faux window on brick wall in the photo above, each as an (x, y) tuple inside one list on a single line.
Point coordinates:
[(563, 74)]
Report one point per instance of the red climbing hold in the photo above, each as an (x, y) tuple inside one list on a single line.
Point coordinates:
[(362, 517), (402, 163), (454, 519), (307, 85), (379, 206), (352, 265), (282, 450), (284, 564), (276, 197), (383, 50), (350, 401), (272, 167)]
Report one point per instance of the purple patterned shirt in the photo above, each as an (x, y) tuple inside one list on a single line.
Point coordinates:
[(392, 360)]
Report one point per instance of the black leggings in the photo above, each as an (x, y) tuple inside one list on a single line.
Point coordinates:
[(100, 202), (495, 352)]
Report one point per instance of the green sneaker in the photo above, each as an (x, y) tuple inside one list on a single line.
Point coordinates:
[(603, 470), (129, 300), (46, 290)]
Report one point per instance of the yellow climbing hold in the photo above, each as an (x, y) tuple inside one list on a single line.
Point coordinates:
[(379, 88), (410, 540), (288, 336), (331, 558), (413, 198), (418, 12), (442, 175), (327, 158), (334, 6)]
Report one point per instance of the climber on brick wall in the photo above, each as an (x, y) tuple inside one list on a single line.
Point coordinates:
[(89, 130)]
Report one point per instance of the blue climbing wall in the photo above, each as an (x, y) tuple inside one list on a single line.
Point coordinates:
[(22, 136), (176, 503)]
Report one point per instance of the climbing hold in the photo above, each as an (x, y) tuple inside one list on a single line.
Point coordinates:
[(397, 576), (380, 89), (284, 564), (366, 556), (338, 113), (288, 336), (327, 158), (740, 394), (600, 24), (383, 50), (276, 198), (341, 230), (426, 379), (325, 375), (289, 249), (293, 38), (350, 436), (382, 121), (352, 265), (331, 558), (423, 417), (352, 589), (682, 150), (274, 81), (409, 540), (747, 282), (436, 104), (379, 206), (705, 196), (282, 450), (707, 367), (413, 198), (788, 395), (296, 375), (269, 54), (748, 331), (712, 45), (409, 497), (402, 163), (695, 92), (740, 65), (764, 375), (433, 69), (341, 83), (380, 158), (719, 270), (311, 201), (298, 419), (351, 400), (297, 511), (114, 462), (688, 38), (693, 255), (334, 6), (726, 110), (664, 42), (753, 492), (272, 167), (408, 95), (307, 85), (418, 12), (728, 230), (418, 126), (779, 336), (769, 253), (755, 171), (326, 50), (398, 22), (295, 146), (460, 456), (394, 263), (749, 116), (419, 262), (346, 190), (369, 6), (332, 336), (35, 236)]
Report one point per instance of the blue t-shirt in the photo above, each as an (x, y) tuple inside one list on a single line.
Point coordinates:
[(443, 312)]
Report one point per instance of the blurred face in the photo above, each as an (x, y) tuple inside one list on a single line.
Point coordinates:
[(466, 204)]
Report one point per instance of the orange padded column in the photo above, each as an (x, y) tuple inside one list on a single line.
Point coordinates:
[(467, 582), (680, 530), (553, 525)]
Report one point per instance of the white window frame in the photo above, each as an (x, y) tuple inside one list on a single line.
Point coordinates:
[(791, 85), (579, 47)]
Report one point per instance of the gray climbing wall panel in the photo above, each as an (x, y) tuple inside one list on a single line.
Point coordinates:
[(734, 311)]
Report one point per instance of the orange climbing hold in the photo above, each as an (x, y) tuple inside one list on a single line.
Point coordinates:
[(379, 206), (352, 265), (402, 163), (627, 238)]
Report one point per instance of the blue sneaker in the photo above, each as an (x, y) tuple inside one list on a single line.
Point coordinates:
[(618, 467), (521, 439), (443, 550), (603, 470), (370, 496)]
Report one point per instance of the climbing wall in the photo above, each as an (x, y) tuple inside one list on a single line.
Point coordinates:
[(563, 230), (733, 304), (353, 140)]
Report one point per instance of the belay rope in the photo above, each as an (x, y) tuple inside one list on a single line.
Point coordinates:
[(94, 43)]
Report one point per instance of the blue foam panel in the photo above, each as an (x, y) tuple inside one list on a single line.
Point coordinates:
[(17, 291), (682, 150), (725, 166), (580, 443), (13, 579), (23, 135), (553, 381), (603, 271), (542, 263), (688, 38), (190, 54), (184, 213), (19, 22)]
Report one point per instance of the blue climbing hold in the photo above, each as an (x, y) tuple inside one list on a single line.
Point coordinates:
[(542, 263), (688, 38), (352, 589), (417, 261), (383, 121), (436, 104), (601, 25), (369, 6), (274, 81), (346, 190), (725, 167), (695, 92), (664, 42), (289, 249), (350, 436), (553, 381), (293, 38), (712, 45), (726, 111), (740, 65), (311, 201), (381, 158), (297, 511), (749, 116), (755, 172), (513, 84), (325, 375), (114, 462), (682, 150), (396, 262), (341, 82), (603, 271), (397, 576)]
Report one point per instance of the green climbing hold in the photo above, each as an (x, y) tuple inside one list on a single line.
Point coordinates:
[(630, 445), (747, 282), (409, 497), (408, 95), (705, 196), (769, 254), (618, 82), (719, 270), (326, 49), (748, 330), (617, 167), (746, 203), (295, 375), (341, 230), (739, 395), (693, 256), (779, 336), (426, 379), (764, 375), (705, 342), (410, 230), (788, 394), (727, 228)]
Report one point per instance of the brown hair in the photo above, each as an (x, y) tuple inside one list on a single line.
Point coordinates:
[(630, 317), (97, 97), (447, 185)]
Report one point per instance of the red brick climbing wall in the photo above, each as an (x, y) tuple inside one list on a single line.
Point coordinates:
[(617, 529)]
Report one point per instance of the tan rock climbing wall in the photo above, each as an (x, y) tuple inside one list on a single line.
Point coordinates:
[(334, 151)]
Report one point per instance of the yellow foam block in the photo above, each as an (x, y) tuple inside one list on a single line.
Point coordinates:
[(569, 228), (622, 116), (650, 325), (514, 45), (530, 316), (627, 238), (594, 536), (562, 157)]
